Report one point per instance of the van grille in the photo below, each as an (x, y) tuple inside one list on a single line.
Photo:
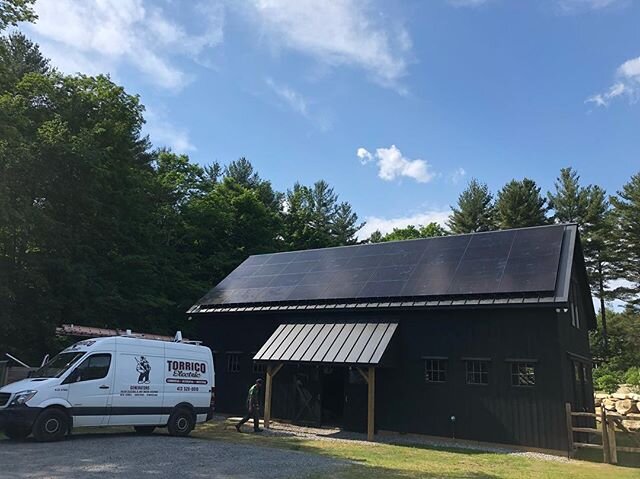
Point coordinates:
[(4, 399)]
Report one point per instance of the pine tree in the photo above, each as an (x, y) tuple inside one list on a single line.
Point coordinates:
[(520, 204), (345, 225), (570, 201), (376, 237), (241, 170), (313, 218), (626, 213), (589, 208), (475, 210)]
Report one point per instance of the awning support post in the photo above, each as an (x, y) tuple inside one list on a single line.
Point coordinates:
[(371, 383), (271, 372), (370, 379)]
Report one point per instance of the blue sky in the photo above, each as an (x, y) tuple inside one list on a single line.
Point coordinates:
[(395, 104)]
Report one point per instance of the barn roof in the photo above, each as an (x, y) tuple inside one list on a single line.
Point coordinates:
[(508, 267)]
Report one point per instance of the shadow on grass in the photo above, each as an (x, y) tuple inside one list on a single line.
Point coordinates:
[(623, 438), (364, 467), (446, 448), (368, 472), (625, 459)]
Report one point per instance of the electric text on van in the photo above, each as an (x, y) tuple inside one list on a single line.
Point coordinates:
[(112, 381)]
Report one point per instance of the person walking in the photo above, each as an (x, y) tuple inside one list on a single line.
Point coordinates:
[(253, 407)]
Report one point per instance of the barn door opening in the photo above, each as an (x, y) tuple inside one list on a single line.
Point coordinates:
[(333, 379), (355, 402), (307, 408)]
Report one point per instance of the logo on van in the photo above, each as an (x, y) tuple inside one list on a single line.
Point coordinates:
[(143, 368), (186, 369)]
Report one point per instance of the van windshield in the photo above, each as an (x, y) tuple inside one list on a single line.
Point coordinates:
[(58, 365)]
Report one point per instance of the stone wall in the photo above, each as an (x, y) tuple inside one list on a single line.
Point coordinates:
[(624, 403)]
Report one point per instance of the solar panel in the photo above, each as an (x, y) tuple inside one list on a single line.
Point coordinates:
[(512, 261), (482, 266), (533, 260)]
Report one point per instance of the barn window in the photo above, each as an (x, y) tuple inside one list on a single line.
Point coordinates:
[(523, 374), (435, 370), (233, 362), (477, 371), (259, 368), (574, 305)]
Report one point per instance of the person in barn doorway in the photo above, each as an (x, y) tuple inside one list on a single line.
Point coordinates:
[(253, 407)]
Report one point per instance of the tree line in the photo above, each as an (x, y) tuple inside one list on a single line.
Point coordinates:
[(98, 227), (609, 227)]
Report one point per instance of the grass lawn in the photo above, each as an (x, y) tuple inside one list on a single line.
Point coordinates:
[(407, 462)]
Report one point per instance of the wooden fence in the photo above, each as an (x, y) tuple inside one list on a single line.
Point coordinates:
[(608, 444)]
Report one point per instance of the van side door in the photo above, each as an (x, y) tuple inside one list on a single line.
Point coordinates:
[(137, 396), (89, 386)]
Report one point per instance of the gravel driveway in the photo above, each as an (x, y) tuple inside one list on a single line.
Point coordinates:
[(159, 456)]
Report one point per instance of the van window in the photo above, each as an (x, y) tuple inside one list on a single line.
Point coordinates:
[(94, 367), (57, 366)]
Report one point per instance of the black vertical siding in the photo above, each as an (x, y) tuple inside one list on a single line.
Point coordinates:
[(497, 412)]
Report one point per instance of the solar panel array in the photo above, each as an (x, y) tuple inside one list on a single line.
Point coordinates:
[(499, 262)]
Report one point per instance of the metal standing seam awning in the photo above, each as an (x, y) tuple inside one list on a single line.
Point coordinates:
[(357, 344), (334, 343)]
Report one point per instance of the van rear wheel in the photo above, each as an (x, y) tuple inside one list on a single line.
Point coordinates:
[(181, 422), (144, 429), (51, 425)]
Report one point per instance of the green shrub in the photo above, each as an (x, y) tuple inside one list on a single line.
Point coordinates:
[(607, 379), (608, 383), (632, 376)]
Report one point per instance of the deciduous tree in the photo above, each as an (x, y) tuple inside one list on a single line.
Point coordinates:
[(411, 232), (14, 11)]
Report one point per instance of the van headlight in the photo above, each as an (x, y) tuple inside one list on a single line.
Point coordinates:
[(22, 397)]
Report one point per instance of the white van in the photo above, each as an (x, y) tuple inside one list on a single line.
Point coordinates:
[(114, 381)]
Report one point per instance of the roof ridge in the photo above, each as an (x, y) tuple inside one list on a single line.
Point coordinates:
[(418, 239)]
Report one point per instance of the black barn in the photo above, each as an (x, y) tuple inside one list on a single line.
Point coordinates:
[(490, 328)]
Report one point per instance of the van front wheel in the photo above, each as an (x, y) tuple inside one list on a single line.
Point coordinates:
[(181, 422), (17, 433), (51, 425)]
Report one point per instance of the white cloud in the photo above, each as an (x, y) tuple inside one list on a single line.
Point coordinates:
[(575, 6), (99, 36), (616, 304), (386, 225), (627, 82), (163, 133), (392, 164), (298, 103), (458, 175), (291, 97), (364, 155), (630, 69), (340, 32)]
